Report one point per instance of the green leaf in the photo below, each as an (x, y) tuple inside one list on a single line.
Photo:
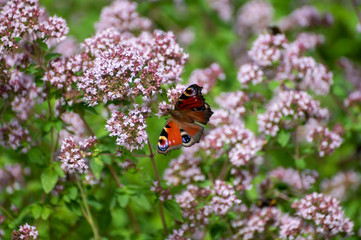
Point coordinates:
[(47, 126), (36, 210), (42, 45), (174, 210), (51, 56), (59, 170), (289, 84), (17, 39), (283, 137), (96, 166), (36, 156), (123, 200), (48, 179), (72, 193), (45, 213), (142, 202), (274, 84), (300, 163), (58, 125)]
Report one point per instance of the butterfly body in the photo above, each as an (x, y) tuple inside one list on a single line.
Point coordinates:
[(182, 128)]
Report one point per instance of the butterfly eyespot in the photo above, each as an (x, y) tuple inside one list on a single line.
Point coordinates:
[(186, 138), (162, 143)]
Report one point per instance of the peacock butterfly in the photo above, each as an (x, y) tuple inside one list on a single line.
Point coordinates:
[(181, 128)]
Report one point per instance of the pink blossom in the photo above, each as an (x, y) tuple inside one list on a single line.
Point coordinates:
[(207, 78), (72, 155), (291, 177), (26, 232), (305, 16), (233, 102), (224, 198), (13, 135), (341, 185), (250, 73), (327, 140), (353, 99), (130, 128), (267, 49), (223, 8), (164, 193), (173, 95), (326, 213), (288, 108), (122, 16), (12, 177), (184, 170), (254, 16)]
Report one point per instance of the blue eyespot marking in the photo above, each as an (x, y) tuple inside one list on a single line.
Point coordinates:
[(186, 138)]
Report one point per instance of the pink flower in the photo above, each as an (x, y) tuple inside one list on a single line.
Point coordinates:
[(325, 212), (184, 170), (250, 73), (341, 185), (223, 8), (72, 155), (122, 16), (224, 198), (233, 102), (254, 17), (327, 140), (288, 108), (207, 78), (305, 16), (292, 178), (266, 49), (353, 99), (13, 135), (26, 232), (129, 129)]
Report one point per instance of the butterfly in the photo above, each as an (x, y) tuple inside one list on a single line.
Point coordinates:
[(182, 128)]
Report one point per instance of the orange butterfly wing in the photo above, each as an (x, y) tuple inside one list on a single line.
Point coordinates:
[(183, 131)]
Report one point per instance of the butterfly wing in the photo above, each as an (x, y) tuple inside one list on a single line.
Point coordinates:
[(176, 134), (191, 98), (192, 104), (181, 129)]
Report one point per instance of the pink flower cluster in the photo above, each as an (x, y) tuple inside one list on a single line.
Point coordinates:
[(164, 194), (326, 213), (190, 202), (13, 135), (129, 129), (122, 16), (223, 8), (184, 170), (295, 228), (327, 140), (258, 220), (353, 99), (241, 142), (224, 198), (233, 102), (352, 71), (27, 20), (267, 49), (197, 203), (306, 70), (26, 232), (131, 67), (288, 108), (72, 155), (254, 17), (173, 95), (250, 73), (297, 181), (341, 185), (12, 177), (306, 16), (207, 78)]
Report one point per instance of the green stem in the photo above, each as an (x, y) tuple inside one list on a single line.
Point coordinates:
[(129, 209), (6, 212), (51, 132), (151, 156), (87, 212)]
